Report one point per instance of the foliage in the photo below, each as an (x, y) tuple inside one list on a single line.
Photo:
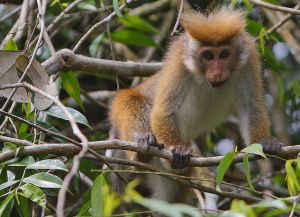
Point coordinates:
[(136, 33)]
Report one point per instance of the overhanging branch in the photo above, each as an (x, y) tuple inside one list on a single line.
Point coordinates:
[(65, 59)]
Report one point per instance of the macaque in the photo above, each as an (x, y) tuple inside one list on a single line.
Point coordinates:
[(211, 70)]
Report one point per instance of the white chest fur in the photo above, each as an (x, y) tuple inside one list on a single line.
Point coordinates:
[(203, 108)]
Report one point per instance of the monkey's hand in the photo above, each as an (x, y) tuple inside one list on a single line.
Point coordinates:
[(271, 145), (145, 140), (180, 157)]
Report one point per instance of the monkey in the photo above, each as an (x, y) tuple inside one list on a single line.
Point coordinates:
[(210, 71)]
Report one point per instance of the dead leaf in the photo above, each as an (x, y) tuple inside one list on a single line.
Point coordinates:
[(14, 62), (7, 60), (9, 75)]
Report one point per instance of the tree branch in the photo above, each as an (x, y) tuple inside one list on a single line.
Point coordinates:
[(67, 60), (275, 7), (71, 149)]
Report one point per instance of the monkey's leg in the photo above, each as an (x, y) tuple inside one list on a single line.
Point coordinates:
[(130, 117)]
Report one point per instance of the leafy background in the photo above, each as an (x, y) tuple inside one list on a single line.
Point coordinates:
[(29, 185)]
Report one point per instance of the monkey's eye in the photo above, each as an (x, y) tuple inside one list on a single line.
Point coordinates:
[(208, 55), (224, 54)]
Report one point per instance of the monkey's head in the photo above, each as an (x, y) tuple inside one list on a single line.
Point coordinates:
[(214, 47)]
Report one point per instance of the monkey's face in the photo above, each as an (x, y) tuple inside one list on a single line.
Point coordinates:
[(213, 63), (216, 63)]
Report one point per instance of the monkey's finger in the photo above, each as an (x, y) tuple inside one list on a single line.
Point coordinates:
[(160, 146), (182, 160), (175, 159), (271, 146), (187, 160), (143, 143)]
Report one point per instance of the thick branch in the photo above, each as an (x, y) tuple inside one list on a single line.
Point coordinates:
[(67, 60), (70, 149)]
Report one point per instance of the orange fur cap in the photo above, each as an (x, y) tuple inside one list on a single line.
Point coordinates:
[(216, 27)]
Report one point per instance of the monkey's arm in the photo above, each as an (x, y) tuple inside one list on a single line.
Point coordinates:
[(129, 116), (164, 123), (254, 120)]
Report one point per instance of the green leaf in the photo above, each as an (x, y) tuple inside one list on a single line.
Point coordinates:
[(48, 164), (9, 147), (23, 206), (22, 131), (187, 210), (159, 206), (248, 4), (95, 44), (56, 111), (72, 87), (8, 184), (11, 45), (44, 180), (135, 38), (247, 171), (254, 149), (47, 126), (223, 167), (27, 108), (167, 209), (6, 203), (254, 27), (23, 163), (271, 62), (277, 204), (292, 181), (84, 209), (34, 193), (231, 214), (116, 8), (138, 24), (87, 6), (262, 40), (241, 207), (96, 196)]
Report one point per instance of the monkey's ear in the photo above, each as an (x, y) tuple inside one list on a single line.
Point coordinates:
[(221, 25)]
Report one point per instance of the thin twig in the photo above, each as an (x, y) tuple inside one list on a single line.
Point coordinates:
[(96, 25), (61, 15), (11, 13), (54, 23), (178, 18), (294, 207), (275, 7), (279, 23), (11, 109)]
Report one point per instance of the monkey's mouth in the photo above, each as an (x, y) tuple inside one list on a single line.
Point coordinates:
[(217, 84)]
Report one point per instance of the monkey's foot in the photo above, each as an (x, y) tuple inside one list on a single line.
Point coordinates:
[(145, 140), (271, 145), (181, 157)]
